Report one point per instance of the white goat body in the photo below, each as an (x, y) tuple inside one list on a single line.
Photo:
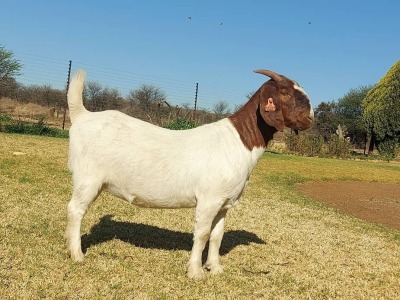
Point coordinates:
[(151, 166), (206, 167)]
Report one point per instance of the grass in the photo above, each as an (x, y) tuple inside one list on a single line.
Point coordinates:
[(39, 128), (278, 244)]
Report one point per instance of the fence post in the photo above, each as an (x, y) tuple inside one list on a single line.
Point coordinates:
[(195, 100), (65, 103)]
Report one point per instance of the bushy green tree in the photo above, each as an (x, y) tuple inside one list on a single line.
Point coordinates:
[(349, 113), (9, 68), (381, 112), (326, 120)]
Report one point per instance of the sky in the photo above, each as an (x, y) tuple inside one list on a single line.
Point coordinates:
[(329, 47)]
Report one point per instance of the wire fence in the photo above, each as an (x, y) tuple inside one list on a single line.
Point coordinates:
[(38, 70)]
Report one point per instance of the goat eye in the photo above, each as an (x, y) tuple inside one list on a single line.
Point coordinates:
[(284, 92)]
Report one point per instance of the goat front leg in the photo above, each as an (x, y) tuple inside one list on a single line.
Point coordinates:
[(217, 232), (205, 214)]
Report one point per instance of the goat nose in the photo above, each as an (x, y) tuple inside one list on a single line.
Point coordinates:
[(311, 116)]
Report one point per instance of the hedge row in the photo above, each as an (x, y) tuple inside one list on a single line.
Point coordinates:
[(39, 128)]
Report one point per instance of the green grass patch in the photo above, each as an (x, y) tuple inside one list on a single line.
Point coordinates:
[(181, 124), (39, 128), (288, 167), (277, 245), (5, 118)]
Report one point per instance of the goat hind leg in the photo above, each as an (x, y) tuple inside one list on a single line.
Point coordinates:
[(82, 197)]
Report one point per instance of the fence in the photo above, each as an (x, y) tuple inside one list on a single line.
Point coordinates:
[(40, 71)]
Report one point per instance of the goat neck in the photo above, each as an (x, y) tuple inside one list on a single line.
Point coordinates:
[(252, 129)]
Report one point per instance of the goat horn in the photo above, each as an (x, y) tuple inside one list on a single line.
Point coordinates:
[(270, 74)]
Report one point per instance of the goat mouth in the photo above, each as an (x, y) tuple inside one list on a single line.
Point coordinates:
[(304, 123), (300, 126)]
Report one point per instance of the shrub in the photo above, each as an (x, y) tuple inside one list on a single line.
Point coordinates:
[(338, 147), (291, 141), (181, 124), (388, 148), (311, 145), (305, 144), (34, 129), (5, 118)]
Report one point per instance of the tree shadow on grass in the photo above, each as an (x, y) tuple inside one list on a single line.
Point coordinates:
[(153, 237)]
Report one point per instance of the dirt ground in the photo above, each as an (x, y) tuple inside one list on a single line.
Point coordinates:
[(374, 202)]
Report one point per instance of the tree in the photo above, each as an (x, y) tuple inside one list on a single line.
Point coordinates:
[(325, 119), (221, 108), (349, 113), (381, 112), (93, 92), (239, 106), (101, 98), (250, 94), (9, 68), (114, 99), (149, 99)]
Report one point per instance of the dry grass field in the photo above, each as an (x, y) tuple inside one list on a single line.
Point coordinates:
[(31, 112), (278, 244)]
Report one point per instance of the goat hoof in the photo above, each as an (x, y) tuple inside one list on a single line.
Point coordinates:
[(196, 273), (76, 257), (214, 268)]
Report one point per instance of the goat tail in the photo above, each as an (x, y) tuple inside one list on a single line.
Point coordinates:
[(75, 95)]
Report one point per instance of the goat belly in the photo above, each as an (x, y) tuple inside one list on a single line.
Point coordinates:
[(163, 203), (149, 201)]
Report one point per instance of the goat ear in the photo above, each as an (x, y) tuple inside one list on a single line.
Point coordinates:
[(271, 112)]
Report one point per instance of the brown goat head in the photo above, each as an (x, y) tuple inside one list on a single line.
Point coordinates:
[(284, 103)]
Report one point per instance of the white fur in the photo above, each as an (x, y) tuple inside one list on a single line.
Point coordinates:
[(299, 88), (206, 167)]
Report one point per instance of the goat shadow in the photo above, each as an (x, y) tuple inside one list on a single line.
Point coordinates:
[(153, 237)]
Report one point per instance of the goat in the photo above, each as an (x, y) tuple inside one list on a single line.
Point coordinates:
[(206, 167)]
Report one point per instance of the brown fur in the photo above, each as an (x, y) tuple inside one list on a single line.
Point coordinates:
[(250, 124), (256, 124)]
